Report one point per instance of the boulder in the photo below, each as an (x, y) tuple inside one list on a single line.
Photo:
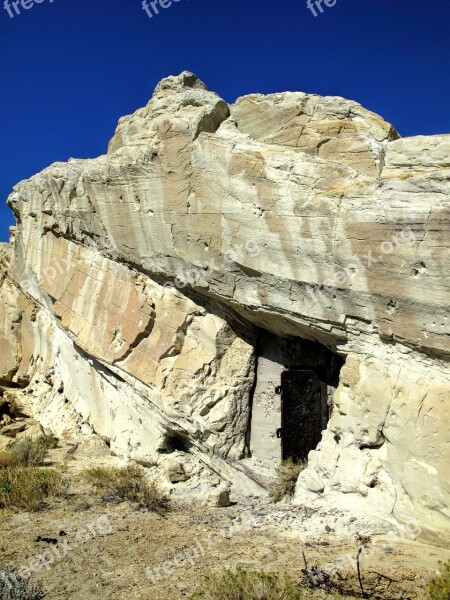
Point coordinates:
[(219, 497)]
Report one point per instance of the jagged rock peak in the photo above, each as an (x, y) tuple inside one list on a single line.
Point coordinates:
[(177, 83), (192, 109)]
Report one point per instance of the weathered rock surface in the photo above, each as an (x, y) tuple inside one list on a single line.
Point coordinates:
[(137, 284), (220, 497)]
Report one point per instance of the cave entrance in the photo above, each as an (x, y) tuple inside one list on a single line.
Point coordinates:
[(292, 398), (304, 412)]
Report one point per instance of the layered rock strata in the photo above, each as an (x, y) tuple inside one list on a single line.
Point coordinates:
[(137, 284)]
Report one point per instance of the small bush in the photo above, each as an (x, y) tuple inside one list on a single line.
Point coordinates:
[(287, 475), (439, 588), (127, 483), (14, 587), (153, 498), (27, 488), (249, 585), (48, 441), (29, 452)]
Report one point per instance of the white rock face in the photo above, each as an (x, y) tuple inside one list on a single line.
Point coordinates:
[(137, 283)]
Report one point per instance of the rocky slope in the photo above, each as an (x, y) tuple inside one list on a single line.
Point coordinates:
[(137, 285)]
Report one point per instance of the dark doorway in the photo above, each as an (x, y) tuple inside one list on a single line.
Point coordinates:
[(309, 373), (304, 412)]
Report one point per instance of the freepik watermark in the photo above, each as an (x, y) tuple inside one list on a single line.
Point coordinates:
[(46, 279), (100, 527), (17, 5), (48, 276), (190, 555), (194, 276), (315, 6), (152, 7), (346, 275)]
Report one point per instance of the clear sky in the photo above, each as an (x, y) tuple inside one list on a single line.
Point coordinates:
[(70, 68)]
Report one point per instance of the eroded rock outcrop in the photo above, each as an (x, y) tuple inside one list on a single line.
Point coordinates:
[(138, 284)]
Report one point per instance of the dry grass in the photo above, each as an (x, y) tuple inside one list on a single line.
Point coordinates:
[(127, 483), (287, 475), (244, 584), (249, 585), (27, 488), (23, 485), (439, 588), (8, 459)]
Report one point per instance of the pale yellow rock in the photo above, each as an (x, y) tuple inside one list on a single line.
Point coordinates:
[(332, 128), (219, 497), (301, 215)]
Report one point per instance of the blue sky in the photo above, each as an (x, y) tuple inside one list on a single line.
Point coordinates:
[(70, 68)]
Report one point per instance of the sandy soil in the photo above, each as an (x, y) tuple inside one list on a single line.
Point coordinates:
[(96, 550)]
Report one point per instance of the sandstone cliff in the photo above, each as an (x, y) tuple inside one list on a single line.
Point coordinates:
[(139, 286)]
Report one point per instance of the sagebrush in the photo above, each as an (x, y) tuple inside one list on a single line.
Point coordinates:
[(117, 484), (48, 440), (287, 475), (28, 452), (15, 587), (439, 588)]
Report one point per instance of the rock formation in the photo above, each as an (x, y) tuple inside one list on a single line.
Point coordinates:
[(142, 289)]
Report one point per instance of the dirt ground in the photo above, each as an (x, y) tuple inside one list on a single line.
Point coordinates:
[(108, 551), (81, 548)]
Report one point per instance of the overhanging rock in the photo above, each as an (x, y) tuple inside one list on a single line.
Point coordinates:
[(138, 284)]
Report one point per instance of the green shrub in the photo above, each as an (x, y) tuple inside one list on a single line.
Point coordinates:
[(127, 483), (439, 588), (14, 587), (249, 585), (27, 488), (287, 475), (48, 441)]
